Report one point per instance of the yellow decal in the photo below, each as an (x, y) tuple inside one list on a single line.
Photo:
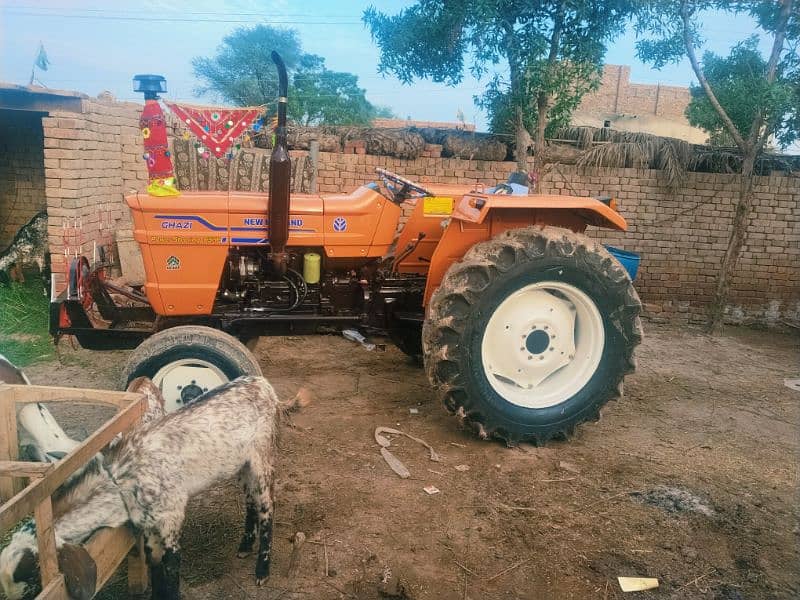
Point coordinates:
[(437, 206), (180, 239)]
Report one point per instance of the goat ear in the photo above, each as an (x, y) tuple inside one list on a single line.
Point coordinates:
[(80, 571)]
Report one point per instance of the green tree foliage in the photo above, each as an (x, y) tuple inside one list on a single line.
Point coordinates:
[(322, 96), (739, 83), (553, 50), (242, 72)]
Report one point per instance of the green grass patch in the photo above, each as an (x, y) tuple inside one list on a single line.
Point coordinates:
[(24, 322)]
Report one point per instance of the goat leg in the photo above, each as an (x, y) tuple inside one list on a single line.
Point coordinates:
[(264, 545), (250, 529), (165, 576), (262, 493)]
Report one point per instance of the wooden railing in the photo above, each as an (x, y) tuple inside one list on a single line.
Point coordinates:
[(108, 547)]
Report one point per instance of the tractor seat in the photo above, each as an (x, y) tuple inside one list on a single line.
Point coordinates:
[(357, 201)]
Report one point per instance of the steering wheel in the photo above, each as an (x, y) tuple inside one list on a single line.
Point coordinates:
[(400, 187)]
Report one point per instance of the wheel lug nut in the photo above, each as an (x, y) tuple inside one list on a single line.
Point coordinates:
[(530, 357), (541, 358)]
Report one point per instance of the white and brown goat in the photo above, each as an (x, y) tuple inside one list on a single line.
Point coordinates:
[(151, 475)]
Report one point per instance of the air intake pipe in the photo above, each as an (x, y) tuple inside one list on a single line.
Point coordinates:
[(279, 177)]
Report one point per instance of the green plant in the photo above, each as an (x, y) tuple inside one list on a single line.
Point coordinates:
[(24, 315)]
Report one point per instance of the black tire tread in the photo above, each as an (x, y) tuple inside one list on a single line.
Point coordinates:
[(190, 335), (462, 286)]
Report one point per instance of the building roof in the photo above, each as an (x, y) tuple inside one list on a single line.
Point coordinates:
[(38, 98)]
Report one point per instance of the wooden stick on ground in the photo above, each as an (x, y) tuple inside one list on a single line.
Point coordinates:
[(297, 550), (325, 551), (467, 569), (511, 568)]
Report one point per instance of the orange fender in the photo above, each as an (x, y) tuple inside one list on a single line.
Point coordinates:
[(480, 217)]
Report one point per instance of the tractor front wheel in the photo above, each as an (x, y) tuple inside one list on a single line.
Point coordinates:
[(187, 361), (531, 333)]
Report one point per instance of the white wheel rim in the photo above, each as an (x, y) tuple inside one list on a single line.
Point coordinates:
[(542, 344), (182, 381)]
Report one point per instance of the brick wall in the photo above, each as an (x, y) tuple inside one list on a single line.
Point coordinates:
[(617, 95), (21, 171), (91, 159), (682, 236)]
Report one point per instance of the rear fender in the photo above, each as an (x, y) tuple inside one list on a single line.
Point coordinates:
[(479, 217), (577, 210)]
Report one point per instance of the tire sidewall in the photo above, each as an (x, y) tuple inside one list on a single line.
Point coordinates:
[(608, 372), (207, 353)]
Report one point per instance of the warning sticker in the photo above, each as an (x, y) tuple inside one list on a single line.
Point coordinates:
[(437, 206)]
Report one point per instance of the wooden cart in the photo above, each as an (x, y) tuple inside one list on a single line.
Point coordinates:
[(108, 547)]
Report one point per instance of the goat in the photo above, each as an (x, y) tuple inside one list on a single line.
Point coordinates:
[(231, 430)]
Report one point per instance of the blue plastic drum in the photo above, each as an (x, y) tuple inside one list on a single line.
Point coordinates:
[(629, 260)]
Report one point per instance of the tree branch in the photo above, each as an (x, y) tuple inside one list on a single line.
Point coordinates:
[(757, 138), (701, 77)]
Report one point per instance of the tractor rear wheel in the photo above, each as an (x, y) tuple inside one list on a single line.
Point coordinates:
[(187, 361), (531, 333)]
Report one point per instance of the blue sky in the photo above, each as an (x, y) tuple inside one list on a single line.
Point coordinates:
[(92, 52)]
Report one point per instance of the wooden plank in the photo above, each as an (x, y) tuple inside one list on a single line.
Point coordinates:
[(46, 539), (27, 394), (138, 572), (24, 502), (109, 547), (9, 443), (19, 468), (56, 590)]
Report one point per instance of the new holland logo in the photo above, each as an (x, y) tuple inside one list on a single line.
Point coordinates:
[(173, 263), (339, 224)]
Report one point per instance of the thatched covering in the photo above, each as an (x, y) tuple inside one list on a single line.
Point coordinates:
[(605, 147)]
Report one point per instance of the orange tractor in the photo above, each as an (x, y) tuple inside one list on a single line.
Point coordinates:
[(526, 326)]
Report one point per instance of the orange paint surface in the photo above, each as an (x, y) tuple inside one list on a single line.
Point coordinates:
[(185, 240)]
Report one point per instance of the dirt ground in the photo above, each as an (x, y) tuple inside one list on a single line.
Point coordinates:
[(692, 478)]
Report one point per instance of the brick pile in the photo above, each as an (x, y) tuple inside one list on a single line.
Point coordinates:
[(355, 147)]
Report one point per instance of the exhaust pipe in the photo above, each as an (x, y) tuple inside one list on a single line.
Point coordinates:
[(279, 177)]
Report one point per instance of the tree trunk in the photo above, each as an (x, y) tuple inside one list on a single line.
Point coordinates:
[(735, 243), (542, 106), (522, 139)]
